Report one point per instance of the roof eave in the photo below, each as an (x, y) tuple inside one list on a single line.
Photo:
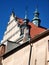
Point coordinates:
[(32, 40)]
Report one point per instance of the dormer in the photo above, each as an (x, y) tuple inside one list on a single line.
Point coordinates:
[(26, 29)]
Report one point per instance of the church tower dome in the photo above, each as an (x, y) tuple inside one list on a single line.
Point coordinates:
[(26, 20), (36, 20)]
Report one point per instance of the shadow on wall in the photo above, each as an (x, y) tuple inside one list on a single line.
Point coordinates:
[(1, 61), (2, 51)]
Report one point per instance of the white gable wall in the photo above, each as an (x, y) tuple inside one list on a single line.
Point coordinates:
[(13, 31)]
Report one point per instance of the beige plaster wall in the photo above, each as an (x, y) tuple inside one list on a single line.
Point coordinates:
[(39, 54), (19, 58)]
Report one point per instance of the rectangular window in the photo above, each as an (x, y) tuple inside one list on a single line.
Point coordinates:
[(21, 31)]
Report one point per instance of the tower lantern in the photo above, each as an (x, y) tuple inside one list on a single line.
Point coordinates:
[(36, 20)]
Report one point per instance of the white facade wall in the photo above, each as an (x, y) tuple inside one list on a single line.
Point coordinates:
[(13, 31)]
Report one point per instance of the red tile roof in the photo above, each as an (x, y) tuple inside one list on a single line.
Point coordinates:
[(20, 20), (34, 30)]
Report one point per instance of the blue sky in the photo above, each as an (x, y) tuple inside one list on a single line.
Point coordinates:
[(6, 7)]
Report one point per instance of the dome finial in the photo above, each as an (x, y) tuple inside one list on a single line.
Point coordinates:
[(13, 12), (26, 20), (26, 13)]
